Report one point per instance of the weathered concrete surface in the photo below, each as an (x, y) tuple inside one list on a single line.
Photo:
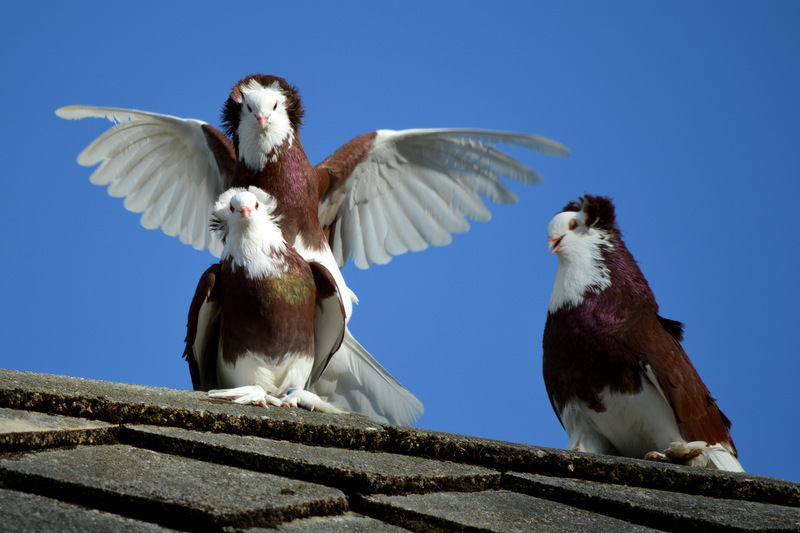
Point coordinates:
[(28, 513), (508, 456), (660, 509), (21, 430), (500, 511), (173, 491), (175, 459), (350, 470), (349, 523), (14, 421), (120, 403)]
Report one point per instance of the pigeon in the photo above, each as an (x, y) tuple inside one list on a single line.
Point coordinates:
[(379, 195), (615, 372), (263, 322)]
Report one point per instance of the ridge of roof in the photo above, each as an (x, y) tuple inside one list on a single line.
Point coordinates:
[(90, 453)]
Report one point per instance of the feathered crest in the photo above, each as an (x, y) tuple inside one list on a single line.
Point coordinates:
[(219, 217), (599, 211), (232, 107)]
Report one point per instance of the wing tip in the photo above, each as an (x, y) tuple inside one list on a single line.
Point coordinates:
[(77, 112), (557, 149), (63, 112)]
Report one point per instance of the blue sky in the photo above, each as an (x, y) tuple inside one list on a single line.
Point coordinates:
[(685, 113)]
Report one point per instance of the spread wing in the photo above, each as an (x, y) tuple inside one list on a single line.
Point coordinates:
[(168, 168), (396, 191), (203, 331)]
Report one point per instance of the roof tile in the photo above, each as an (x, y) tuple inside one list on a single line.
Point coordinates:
[(79, 455)]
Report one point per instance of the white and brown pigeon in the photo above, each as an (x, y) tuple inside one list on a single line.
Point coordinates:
[(264, 322), (381, 194), (614, 370)]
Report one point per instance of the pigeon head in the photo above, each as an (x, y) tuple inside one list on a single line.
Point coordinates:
[(238, 208), (582, 226), (583, 235), (261, 113), (247, 224), (592, 255)]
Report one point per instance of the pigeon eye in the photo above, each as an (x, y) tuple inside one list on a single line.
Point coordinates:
[(249, 109), (573, 224), (232, 209), (275, 106), (256, 205)]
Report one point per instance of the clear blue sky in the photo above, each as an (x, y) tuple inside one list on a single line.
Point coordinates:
[(686, 113)]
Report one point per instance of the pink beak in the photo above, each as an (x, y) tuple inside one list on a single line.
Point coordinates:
[(245, 212), (262, 119), (554, 244)]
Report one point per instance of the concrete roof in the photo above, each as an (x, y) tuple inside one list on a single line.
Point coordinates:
[(87, 455)]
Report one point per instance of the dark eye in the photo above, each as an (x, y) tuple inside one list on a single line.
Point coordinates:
[(232, 209), (573, 224), (249, 109), (256, 205), (275, 106)]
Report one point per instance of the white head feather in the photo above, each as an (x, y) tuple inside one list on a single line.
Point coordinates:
[(580, 260), (260, 141), (245, 221)]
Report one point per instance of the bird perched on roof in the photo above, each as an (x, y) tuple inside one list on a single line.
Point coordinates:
[(263, 322), (379, 195), (614, 370)]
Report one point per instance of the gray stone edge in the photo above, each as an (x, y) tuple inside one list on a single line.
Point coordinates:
[(350, 484), (164, 513), (352, 432)]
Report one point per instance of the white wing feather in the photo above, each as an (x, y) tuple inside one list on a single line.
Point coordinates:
[(208, 320), (418, 187), (356, 381), (161, 165), (329, 326)]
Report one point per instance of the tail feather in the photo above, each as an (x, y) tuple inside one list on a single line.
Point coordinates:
[(355, 381), (722, 458), (701, 454)]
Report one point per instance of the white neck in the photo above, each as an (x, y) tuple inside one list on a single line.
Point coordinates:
[(580, 270), (258, 247), (258, 146)]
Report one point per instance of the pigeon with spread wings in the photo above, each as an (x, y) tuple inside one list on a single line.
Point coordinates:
[(381, 194)]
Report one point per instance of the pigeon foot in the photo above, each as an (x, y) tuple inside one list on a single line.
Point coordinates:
[(682, 453), (249, 394), (310, 401)]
